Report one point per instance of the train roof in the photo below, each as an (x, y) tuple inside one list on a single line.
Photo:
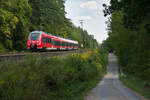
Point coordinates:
[(42, 32), (68, 40), (36, 32)]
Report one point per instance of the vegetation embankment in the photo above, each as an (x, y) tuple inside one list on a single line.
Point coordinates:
[(129, 38), (52, 78), (136, 84), (19, 17)]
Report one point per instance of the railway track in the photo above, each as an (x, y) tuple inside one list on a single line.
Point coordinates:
[(20, 56)]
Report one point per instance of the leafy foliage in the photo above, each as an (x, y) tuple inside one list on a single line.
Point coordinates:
[(135, 12), (52, 78)]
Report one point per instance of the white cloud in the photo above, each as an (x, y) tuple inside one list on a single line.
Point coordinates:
[(83, 18), (92, 5)]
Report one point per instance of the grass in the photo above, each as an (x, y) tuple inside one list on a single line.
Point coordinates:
[(137, 85)]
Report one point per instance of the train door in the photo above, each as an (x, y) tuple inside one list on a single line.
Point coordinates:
[(49, 42), (52, 42), (61, 45), (44, 42)]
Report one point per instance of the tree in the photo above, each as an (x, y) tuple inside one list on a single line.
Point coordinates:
[(129, 35)]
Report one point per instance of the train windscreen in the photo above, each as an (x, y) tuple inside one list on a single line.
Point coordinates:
[(34, 36)]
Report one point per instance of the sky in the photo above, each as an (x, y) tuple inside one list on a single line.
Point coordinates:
[(91, 11)]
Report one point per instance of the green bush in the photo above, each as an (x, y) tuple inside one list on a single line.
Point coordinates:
[(2, 49), (55, 78)]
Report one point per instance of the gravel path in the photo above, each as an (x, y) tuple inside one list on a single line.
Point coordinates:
[(110, 88)]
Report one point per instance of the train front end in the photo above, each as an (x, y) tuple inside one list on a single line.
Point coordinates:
[(34, 41)]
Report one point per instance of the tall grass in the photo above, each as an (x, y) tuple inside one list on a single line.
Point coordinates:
[(138, 85), (52, 78)]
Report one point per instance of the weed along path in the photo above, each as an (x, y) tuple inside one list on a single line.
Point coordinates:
[(110, 88)]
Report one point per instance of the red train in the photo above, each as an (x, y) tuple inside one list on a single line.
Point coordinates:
[(40, 40)]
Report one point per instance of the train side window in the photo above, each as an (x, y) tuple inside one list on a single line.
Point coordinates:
[(64, 43), (44, 39), (55, 43), (58, 43), (48, 40)]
